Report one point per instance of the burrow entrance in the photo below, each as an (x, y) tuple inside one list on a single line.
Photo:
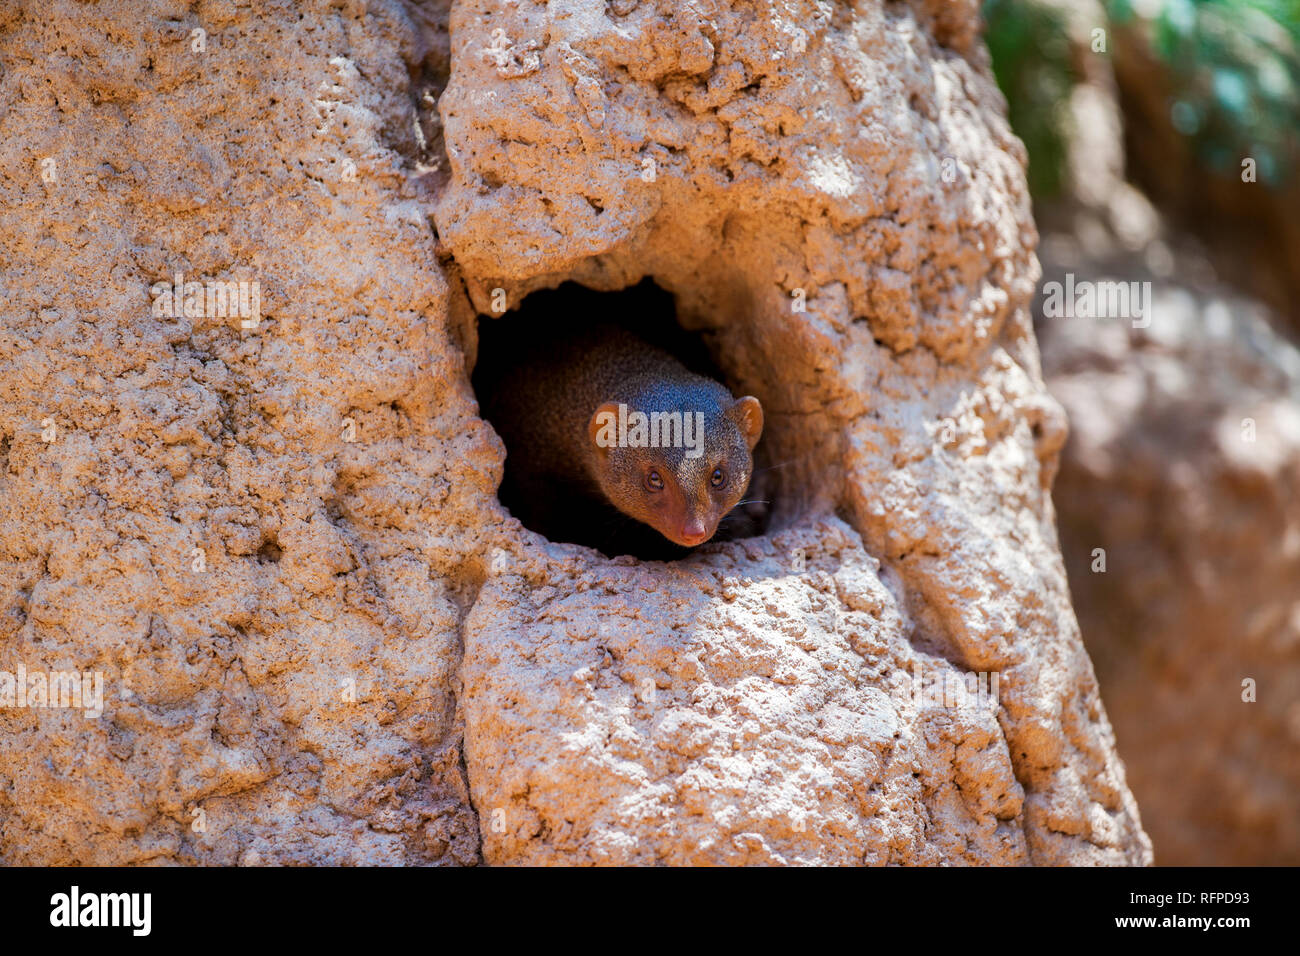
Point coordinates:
[(506, 345)]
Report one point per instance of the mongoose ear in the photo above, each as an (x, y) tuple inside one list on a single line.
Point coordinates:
[(603, 428), (748, 414)]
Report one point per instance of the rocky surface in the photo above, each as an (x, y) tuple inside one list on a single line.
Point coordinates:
[(367, 659), (292, 701)]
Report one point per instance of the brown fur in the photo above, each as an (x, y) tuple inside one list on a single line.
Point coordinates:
[(545, 414)]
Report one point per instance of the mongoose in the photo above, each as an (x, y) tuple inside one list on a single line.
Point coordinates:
[(596, 415)]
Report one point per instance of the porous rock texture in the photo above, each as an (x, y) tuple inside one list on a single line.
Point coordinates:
[(377, 663)]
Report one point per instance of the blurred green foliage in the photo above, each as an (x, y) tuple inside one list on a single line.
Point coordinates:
[(1034, 69), (1233, 70)]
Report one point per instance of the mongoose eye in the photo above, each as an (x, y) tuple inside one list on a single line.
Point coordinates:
[(653, 481), (719, 478)]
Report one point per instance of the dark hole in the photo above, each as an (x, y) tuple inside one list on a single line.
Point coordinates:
[(270, 551), (573, 509)]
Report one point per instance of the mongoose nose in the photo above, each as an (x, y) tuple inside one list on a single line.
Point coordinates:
[(693, 532)]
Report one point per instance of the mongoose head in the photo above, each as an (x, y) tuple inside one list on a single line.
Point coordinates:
[(678, 471)]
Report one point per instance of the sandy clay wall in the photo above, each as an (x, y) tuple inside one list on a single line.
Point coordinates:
[(322, 638)]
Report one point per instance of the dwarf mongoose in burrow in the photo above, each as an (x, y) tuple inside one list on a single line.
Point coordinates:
[(597, 413)]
